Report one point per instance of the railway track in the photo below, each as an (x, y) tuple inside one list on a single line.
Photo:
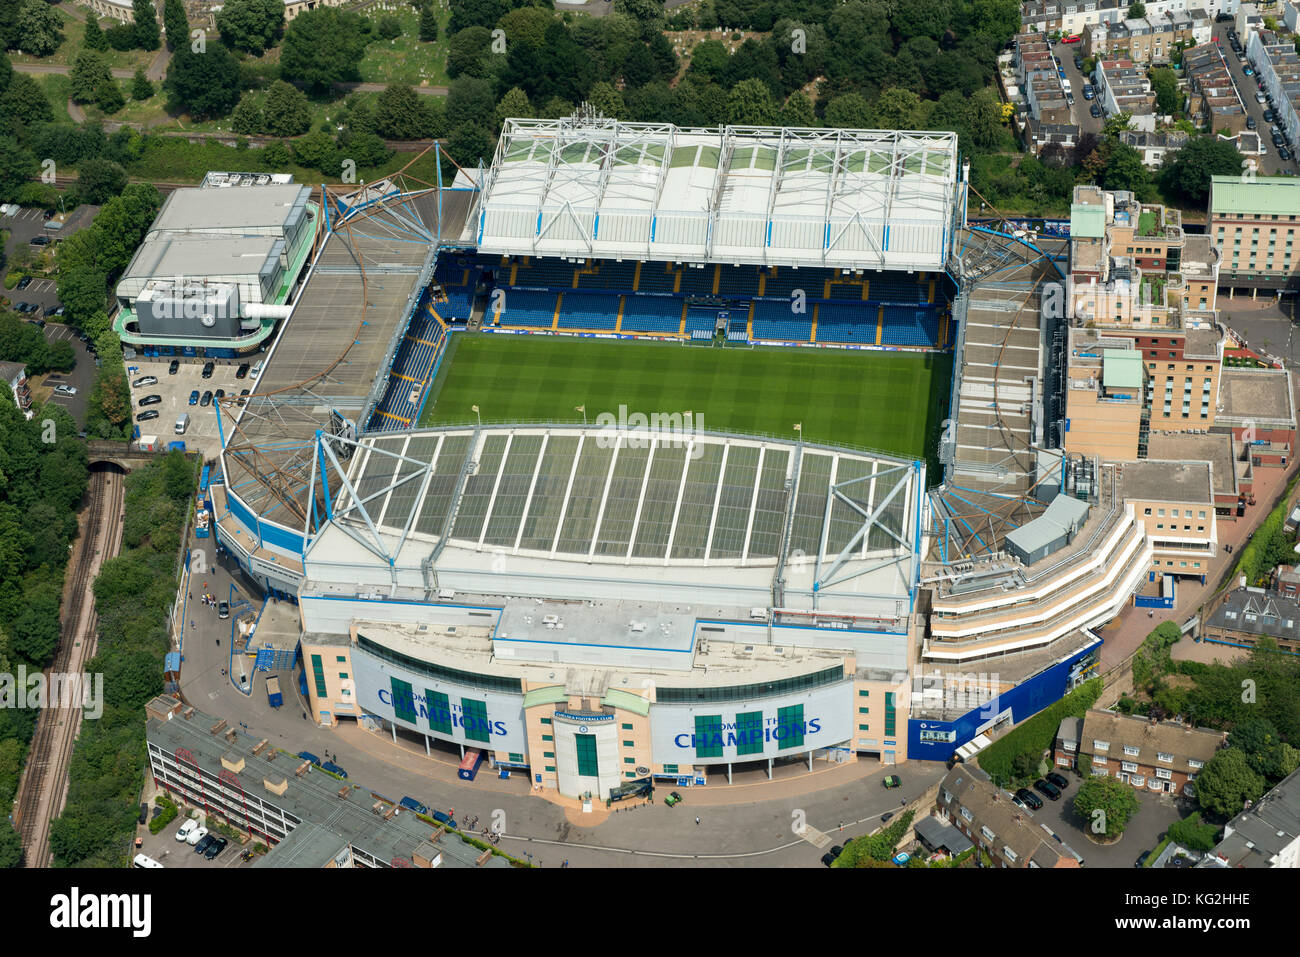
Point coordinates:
[(43, 788)]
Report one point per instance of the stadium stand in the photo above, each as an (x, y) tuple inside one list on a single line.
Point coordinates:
[(528, 307), (843, 323), (774, 320), (657, 277), (410, 375), (540, 274), (888, 289), (697, 282), (702, 319), (787, 280), (652, 314), (588, 310), (613, 276), (904, 326)]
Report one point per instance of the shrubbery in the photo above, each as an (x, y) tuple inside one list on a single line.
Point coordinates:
[(1035, 735)]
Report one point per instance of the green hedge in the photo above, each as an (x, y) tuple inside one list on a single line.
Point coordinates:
[(1036, 734), (162, 820)]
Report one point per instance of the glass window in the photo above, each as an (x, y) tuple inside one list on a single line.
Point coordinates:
[(749, 733), (708, 735), (587, 765)]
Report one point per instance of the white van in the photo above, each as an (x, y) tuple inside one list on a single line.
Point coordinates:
[(256, 371), (182, 423), (144, 860), (186, 829)]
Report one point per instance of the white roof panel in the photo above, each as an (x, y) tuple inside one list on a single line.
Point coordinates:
[(591, 187)]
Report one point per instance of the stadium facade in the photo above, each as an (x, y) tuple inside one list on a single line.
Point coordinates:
[(603, 605)]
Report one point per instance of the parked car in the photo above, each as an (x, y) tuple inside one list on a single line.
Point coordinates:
[(333, 768), (1250, 123), (144, 813), (207, 369), (829, 857), (146, 416), (186, 829), (1142, 859), (175, 367), (223, 610), (1283, 153), (891, 781), (22, 306), (144, 380), (1049, 790), (1268, 116), (219, 394), (39, 240), (242, 371), (673, 799), (204, 843), (885, 818), (216, 847), (207, 398), (1260, 98), (194, 397), (153, 399), (1059, 780), (67, 390), (24, 282), (196, 835), (1248, 71), (1074, 39), (1029, 799), (1095, 111)]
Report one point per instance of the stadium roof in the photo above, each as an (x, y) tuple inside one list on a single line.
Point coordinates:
[(594, 187), (233, 211), (703, 511)]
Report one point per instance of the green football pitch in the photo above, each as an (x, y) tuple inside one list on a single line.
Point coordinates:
[(888, 401)]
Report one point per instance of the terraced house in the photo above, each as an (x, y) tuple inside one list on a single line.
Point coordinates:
[(1161, 757)]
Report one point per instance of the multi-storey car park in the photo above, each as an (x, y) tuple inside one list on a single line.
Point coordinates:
[(602, 601)]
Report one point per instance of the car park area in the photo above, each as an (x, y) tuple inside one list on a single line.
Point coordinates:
[(155, 388)]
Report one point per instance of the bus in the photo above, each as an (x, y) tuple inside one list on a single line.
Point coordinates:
[(145, 861), (470, 764)]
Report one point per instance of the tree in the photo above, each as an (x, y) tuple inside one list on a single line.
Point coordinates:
[(276, 154), (1191, 168), (1106, 805), (141, 88), (1116, 124), (99, 180), (1025, 765), (848, 111), (250, 25), (89, 72), (94, 39), (316, 150), (750, 104), (1165, 83), (11, 846), (1137, 10), (1192, 833), (287, 112), (897, 109), (1266, 753), (324, 46), (1125, 170), (400, 114), (246, 118), (797, 111), (428, 23), (25, 101), (603, 96), (468, 51), (109, 98), (646, 11), (469, 100), (206, 84), (175, 24), (469, 143), (389, 27), (39, 28), (146, 25), (1227, 782)]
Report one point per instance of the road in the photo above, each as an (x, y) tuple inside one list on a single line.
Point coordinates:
[(1079, 114), (1270, 164), (747, 824)]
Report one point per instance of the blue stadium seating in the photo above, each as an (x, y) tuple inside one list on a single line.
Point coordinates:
[(526, 307), (787, 280), (843, 290), (656, 278), (910, 326), (703, 320), (739, 282), (612, 276), (888, 289), (458, 305), (774, 320), (697, 282), (837, 322), (541, 273), (411, 371), (588, 310), (651, 314)]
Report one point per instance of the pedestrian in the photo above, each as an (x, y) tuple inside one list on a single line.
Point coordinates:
[(566, 863), (841, 825), (697, 820), (191, 596)]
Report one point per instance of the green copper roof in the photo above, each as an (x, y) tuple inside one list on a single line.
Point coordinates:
[(627, 701), (1087, 222), (1121, 369), (1264, 195)]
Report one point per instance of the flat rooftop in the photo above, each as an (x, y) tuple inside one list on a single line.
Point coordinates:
[(1261, 394), (260, 207), (1159, 481), (200, 255), (1212, 447)]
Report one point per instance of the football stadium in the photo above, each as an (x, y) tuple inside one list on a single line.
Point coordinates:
[(638, 453)]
